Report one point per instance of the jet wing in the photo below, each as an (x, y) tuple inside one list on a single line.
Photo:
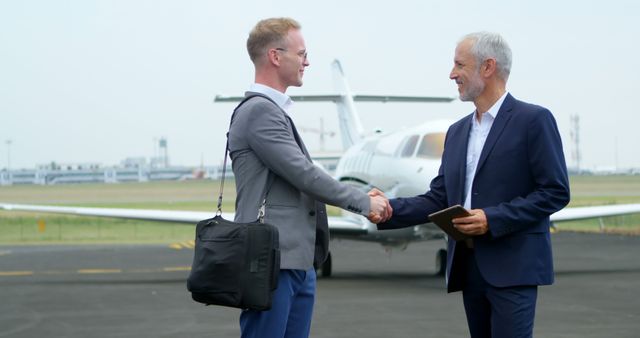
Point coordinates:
[(392, 98), (340, 226), (578, 213), (337, 98), (191, 217), (306, 98)]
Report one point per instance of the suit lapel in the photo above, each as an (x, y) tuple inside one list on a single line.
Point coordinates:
[(504, 115), (462, 156)]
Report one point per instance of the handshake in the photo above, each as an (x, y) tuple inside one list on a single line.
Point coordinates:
[(380, 210)]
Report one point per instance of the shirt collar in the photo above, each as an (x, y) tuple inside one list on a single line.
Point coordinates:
[(281, 99), (493, 111)]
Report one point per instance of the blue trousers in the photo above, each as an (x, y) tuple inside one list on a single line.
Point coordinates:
[(291, 309), (497, 312)]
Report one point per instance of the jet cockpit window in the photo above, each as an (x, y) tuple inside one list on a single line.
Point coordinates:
[(408, 146), (432, 146)]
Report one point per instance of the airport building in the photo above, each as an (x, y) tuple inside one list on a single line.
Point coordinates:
[(131, 169), (97, 174)]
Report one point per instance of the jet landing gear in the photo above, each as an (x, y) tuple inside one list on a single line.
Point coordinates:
[(441, 262), (325, 269)]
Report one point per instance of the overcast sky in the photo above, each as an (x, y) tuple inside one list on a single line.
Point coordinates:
[(98, 81)]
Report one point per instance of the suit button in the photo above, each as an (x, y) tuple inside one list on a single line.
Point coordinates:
[(312, 213)]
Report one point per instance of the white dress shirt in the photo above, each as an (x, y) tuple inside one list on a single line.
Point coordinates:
[(477, 137), (281, 99)]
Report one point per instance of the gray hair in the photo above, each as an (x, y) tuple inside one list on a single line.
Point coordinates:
[(488, 45)]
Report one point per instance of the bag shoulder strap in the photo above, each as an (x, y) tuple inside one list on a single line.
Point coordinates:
[(270, 178)]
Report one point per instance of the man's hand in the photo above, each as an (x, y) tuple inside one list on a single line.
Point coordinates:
[(380, 210), (474, 225)]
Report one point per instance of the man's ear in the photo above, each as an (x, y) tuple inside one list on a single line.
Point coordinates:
[(273, 56), (488, 67)]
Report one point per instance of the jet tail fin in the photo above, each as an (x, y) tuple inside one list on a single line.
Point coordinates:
[(349, 121)]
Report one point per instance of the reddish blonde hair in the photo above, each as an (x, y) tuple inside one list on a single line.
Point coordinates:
[(266, 33)]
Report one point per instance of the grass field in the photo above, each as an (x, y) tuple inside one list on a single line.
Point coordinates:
[(599, 190), (28, 227), (24, 227)]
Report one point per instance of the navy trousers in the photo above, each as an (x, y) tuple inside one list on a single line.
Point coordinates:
[(291, 309), (497, 312)]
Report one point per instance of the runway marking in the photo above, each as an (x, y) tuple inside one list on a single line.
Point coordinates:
[(183, 245), (16, 273), (178, 268), (4, 252), (19, 273)]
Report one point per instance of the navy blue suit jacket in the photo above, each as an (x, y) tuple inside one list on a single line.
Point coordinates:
[(520, 180)]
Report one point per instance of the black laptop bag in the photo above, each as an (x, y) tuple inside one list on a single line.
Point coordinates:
[(235, 264)]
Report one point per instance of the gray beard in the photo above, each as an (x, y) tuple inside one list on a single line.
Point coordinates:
[(473, 91)]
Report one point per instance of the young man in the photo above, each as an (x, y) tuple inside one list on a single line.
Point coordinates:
[(265, 147)]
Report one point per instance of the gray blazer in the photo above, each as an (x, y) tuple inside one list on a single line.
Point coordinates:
[(262, 140)]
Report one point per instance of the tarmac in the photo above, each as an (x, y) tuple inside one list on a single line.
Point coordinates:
[(139, 291)]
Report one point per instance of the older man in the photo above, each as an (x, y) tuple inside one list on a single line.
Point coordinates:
[(505, 164)]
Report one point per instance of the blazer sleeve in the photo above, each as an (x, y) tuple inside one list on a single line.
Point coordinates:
[(409, 211), (549, 173), (269, 136)]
